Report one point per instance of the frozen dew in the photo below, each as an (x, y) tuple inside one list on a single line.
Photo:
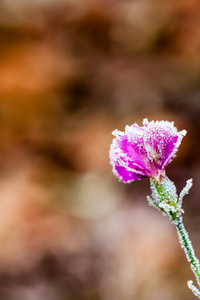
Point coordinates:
[(164, 197), (152, 202), (155, 195), (188, 249), (185, 190), (169, 186), (167, 208), (193, 288)]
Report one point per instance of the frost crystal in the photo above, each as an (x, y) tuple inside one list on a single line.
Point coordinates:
[(164, 197), (185, 191), (188, 249), (193, 288), (144, 151)]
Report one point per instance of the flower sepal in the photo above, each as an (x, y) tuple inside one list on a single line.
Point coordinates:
[(164, 197)]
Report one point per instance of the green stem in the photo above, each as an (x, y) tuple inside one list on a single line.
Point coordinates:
[(188, 248)]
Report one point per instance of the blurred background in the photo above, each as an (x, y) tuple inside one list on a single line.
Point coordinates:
[(70, 73)]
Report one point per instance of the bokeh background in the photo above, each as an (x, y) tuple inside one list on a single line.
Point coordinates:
[(70, 73)]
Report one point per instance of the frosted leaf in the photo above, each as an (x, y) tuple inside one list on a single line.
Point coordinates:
[(185, 191), (165, 197), (167, 207), (166, 191), (193, 288), (155, 195), (170, 189), (152, 202)]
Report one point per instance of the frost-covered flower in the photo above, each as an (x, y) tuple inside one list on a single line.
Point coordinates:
[(144, 151)]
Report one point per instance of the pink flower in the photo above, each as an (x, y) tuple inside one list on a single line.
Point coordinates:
[(144, 151)]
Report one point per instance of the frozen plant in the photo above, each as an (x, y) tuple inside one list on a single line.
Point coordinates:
[(145, 151)]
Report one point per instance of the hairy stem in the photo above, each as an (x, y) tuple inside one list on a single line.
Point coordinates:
[(188, 248)]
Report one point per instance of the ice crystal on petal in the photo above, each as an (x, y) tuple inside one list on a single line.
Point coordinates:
[(144, 151)]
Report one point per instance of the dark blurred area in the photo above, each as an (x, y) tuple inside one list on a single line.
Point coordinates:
[(70, 73)]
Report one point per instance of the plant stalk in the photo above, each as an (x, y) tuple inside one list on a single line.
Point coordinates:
[(188, 248)]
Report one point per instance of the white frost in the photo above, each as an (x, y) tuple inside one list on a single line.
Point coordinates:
[(185, 190), (193, 288)]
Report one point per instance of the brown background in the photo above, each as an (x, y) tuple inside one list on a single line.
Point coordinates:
[(70, 73)]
